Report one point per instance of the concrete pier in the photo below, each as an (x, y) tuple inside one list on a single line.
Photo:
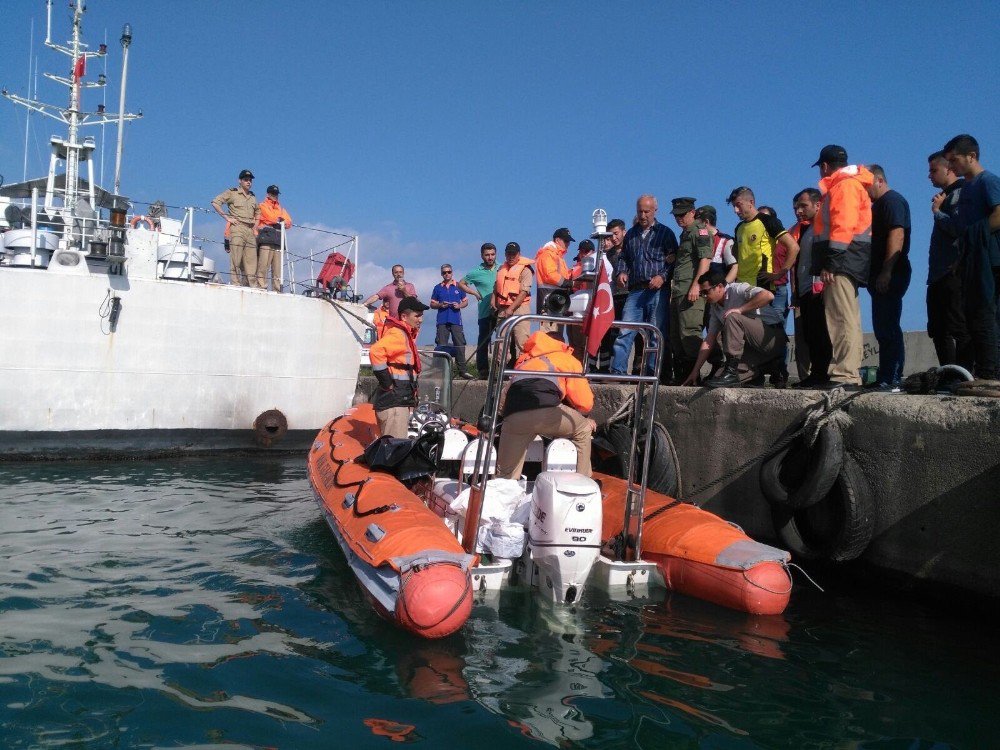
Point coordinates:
[(933, 463)]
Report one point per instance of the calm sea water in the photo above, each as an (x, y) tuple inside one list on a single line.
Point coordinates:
[(204, 604)]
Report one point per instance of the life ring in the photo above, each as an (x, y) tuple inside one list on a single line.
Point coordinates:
[(137, 220), (837, 528), (616, 439), (800, 474), (269, 427)]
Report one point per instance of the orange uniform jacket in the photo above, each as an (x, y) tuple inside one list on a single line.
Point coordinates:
[(396, 352), (270, 212), (550, 268), (544, 354), (842, 228), (378, 320)]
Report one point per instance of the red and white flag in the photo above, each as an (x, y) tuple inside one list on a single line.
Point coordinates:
[(80, 69), (602, 312)]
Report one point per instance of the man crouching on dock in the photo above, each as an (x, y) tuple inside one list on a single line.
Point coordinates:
[(750, 345), (396, 364)]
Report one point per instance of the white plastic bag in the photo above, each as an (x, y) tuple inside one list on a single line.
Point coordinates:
[(503, 497), (501, 539)]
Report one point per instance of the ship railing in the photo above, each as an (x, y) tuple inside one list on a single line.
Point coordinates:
[(304, 249)]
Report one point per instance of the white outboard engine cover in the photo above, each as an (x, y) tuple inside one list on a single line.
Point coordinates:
[(564, 533)]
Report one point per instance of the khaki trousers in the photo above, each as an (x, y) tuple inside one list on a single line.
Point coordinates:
[(242, 255), (520, 428), (843, 321), (269, 257), (521, 331), (394, 421)]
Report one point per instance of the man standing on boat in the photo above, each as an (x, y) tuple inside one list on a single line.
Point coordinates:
[(272, 216), (479, 282), (394, 293), (512, 293), (243, 214), (552, 273), (539, 402), (396, 365)]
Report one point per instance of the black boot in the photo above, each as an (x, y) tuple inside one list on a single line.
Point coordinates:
[(730, 377)]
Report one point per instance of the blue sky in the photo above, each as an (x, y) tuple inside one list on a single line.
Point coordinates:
[(429, 128)]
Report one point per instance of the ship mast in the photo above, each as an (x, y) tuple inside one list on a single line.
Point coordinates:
[(72, 150)]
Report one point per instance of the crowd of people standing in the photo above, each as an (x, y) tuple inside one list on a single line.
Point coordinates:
[(724, 299)]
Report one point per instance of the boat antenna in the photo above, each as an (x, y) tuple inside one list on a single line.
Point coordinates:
[(27, 119), (72, 149), (126, 40)]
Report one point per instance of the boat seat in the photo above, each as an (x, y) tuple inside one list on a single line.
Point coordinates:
[(469, 459), (560, 455)]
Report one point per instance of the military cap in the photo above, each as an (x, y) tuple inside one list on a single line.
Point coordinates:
[(681, 206)]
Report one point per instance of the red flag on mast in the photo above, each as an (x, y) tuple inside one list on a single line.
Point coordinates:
[(602, 312), (80, 69)]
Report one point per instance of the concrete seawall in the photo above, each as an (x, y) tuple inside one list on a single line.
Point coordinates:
[(933, 463)]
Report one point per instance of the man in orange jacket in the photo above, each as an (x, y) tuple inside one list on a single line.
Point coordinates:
[(842, 248), (552, 273), (542, 403), (272, 216), (396, 365)]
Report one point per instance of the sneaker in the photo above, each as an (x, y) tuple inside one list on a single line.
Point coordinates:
[(728, 379), (466, 376)]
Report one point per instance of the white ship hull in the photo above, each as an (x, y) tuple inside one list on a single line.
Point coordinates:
[(188, 366)]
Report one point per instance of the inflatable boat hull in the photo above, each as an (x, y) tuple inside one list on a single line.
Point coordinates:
[(409, 565)]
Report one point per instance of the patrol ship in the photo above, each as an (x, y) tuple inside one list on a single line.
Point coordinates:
[(118, 337)]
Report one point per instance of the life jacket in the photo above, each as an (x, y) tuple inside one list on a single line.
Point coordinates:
[(544, 354), (508, 283), (842, 228)]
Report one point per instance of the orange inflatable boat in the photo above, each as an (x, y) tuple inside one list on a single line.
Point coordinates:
[(410, 566), (702, 555)]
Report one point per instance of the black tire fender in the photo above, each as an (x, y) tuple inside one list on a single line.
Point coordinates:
[(801, 475), (839, 527), (663, 474)]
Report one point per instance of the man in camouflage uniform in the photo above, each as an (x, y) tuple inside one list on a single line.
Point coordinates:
[(242, 218), (687, 307)]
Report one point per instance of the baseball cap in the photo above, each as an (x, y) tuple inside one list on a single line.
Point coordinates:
[(832, 154), (585, 246), (273, 190), (512, 247), (562, 233), (411, 304), (246, 174)]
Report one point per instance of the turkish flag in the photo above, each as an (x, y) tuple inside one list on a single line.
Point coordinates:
[(602, 312), (80, 69)]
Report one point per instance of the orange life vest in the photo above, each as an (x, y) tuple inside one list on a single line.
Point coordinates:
[(508, 283)]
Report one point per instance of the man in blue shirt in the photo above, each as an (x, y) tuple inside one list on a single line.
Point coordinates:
[(643, 266), (448, 299), (889, 277), (978, 225), (945, 309)]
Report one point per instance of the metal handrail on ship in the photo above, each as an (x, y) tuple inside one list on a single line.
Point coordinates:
[(645, 413)]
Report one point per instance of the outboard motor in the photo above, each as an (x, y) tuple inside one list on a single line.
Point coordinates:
[(564, 533)]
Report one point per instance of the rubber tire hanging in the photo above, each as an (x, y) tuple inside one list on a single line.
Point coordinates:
[(801, 475), (662, 463), (839, 527)]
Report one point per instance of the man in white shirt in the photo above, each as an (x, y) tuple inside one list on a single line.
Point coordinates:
[(734, 317)]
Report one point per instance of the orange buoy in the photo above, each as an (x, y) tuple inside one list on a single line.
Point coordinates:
[(435, 601)]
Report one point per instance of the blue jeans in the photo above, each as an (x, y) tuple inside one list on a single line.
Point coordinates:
[(775, 314), (645, 306), (486, 326), (886, 311)]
